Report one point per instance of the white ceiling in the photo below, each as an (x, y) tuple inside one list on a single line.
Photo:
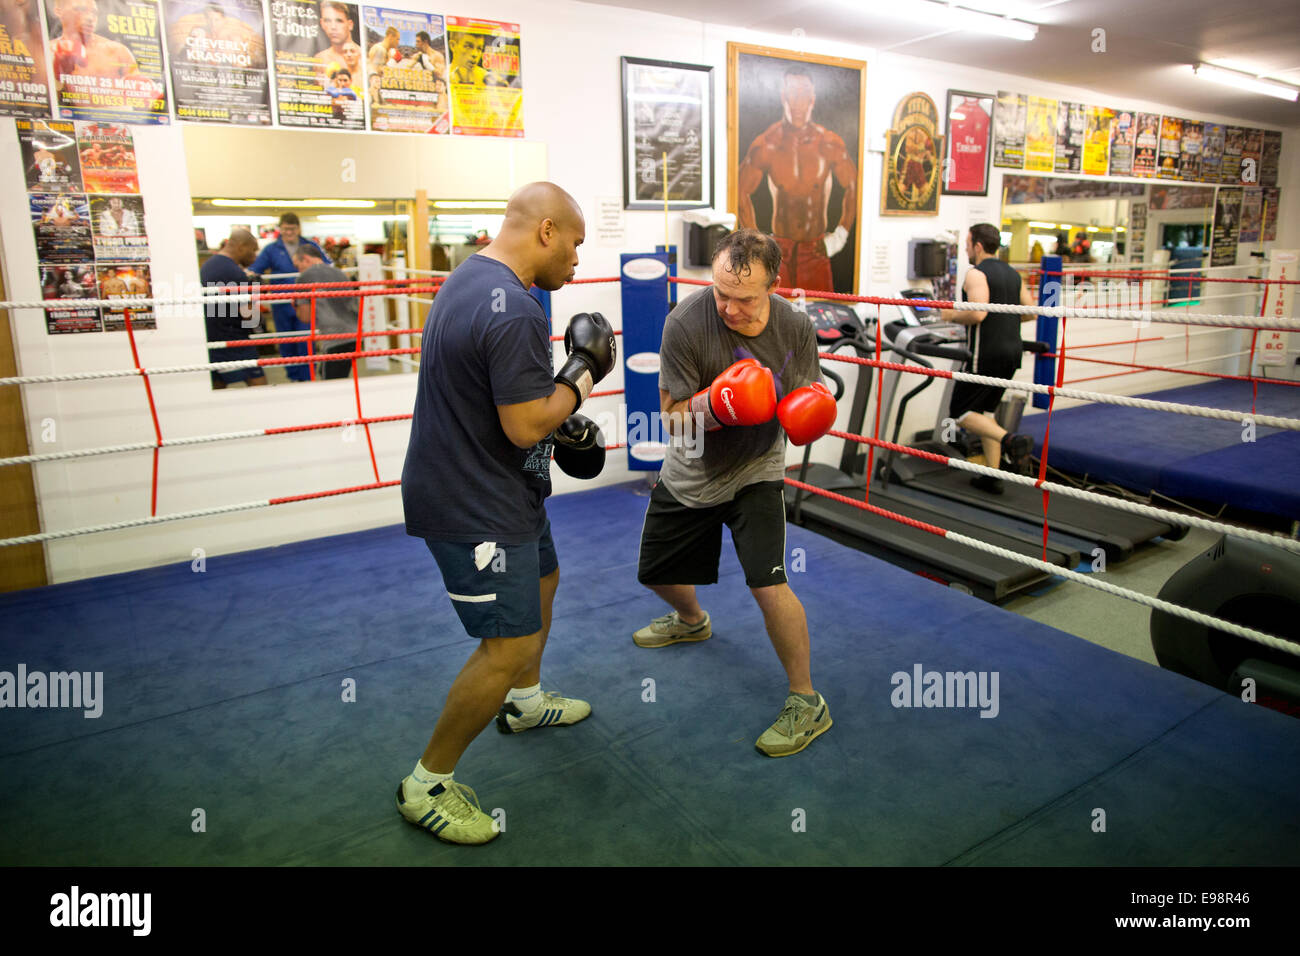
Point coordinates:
[(1149, 43)]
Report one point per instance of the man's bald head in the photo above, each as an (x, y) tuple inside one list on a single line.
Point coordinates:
[(241, 246), (541, 233)]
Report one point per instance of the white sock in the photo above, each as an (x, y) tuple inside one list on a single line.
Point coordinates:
[(527, 699), (424, 780)]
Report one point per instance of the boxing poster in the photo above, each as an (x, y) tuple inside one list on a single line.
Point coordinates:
[(1252, 149), (50, 161), (970, 127), (667, 118), (1137, 231), (406, 66), (130, 280), (912, 168), (1146, 144), (1009, 130), (1189, 156), (117, 227), (74, 281), (24, 90), (1252, 203), (217, 52), (319, 77), (1096, 141), (487, 92), (1227, 225), (1268, 230), (1069, 137), (107, 157), (1040, 135), (1270, 157), (1234, 138), (108, 60), (1171, 147), (1211, 152), (1123, 131), (61, 222)]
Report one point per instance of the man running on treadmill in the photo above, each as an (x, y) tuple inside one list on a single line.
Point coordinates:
[(994, 342)]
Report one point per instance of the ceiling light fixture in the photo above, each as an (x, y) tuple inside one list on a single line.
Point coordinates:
[(1244, 81), (949, 17), (296, 203)]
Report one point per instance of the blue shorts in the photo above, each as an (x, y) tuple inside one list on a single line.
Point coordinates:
[(495, 587)]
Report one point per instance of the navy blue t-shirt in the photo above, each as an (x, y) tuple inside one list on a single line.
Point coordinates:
[(225, 320), (486, 343)]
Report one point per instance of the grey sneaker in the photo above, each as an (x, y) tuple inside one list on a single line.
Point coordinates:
[(798, 725), (450, 812), (670, 629)]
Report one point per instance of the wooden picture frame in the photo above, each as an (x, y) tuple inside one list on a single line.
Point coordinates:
[(667, 109), (770, 123)]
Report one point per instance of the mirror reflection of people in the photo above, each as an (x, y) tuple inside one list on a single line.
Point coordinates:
[(334, 314), (228, 321), (799, 157), (277, 258)]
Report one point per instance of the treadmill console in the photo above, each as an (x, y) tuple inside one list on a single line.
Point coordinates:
[(833, 321), (928, 324)]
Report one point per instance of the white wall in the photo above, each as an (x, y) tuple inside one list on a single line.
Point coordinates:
[(572, 105)]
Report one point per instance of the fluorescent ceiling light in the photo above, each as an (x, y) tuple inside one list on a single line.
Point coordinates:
[(342, 218), (948, 17), (1243, 81), (1042, 225), (296, 203), (466, 204)]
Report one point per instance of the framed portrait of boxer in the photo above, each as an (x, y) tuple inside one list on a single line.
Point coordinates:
[(667, 134), (794, 137), (968, 123)]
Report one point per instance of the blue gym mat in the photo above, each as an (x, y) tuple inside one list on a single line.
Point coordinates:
[(1180, 455), (224, 692)]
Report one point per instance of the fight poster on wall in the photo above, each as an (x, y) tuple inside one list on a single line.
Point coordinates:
[(1040, 135), (1270, 157), (1123, 131), (117, 227), (23, 87), (1230, 170), (1009, 130), (217, 53), (1252, 214), (1171, 147), (406, 66), (50, 160), (1227, 225), (319, 76), (61, 222), (1146, 144), (1268, 230), (1189, 158), (107, 156), (108, 60), (1252, 153), (1069, 137), (486, 85), (1096, 140), (73, 281), (126, 281), (1211, 152)]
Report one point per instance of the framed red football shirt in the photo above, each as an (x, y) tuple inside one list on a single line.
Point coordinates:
[(966, 166)]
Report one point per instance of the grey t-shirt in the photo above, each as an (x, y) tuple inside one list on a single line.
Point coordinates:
[(335, 314), (697, 347)]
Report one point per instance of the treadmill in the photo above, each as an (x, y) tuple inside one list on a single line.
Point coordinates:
[(920, 333), (987, 576)]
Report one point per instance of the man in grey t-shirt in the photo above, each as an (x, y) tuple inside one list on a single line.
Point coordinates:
[(334, 314), (729, 353)]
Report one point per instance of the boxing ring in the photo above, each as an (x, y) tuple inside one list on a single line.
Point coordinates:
[(284, 713)]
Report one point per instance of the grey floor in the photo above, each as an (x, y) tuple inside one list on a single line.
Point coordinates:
[(1114, 622)]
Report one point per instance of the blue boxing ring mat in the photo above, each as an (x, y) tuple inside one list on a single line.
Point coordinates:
[(1181, 456), (223, 691)]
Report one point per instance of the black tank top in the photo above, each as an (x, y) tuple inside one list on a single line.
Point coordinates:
[(995, 342)]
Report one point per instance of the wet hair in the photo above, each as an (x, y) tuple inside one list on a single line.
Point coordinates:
[(744, 247), (987, 235)]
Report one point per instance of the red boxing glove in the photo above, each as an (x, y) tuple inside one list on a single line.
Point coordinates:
[(744, 394), (807, 413), (69, 54)]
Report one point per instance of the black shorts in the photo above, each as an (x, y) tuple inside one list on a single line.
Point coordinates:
[(969, 397), (681, 545)]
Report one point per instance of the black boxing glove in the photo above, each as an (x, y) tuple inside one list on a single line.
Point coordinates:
[(589, 342), (579, 447)]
